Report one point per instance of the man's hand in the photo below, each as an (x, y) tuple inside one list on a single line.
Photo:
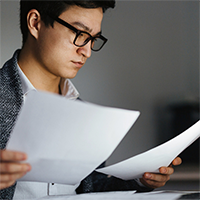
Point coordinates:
[(10, 167), (153, 180)]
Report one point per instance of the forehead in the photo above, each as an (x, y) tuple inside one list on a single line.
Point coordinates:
[(89, 17)]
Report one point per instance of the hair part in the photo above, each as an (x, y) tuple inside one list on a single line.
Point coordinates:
[(55, 8)]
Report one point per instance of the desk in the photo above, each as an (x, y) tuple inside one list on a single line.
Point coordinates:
[(129, 195)]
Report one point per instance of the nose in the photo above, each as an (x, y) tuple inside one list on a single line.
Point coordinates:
[(85, 50)]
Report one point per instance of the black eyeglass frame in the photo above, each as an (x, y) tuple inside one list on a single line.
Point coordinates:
[(78, 32)]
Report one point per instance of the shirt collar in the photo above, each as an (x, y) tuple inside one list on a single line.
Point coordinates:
[(68, 90), (26, 84)]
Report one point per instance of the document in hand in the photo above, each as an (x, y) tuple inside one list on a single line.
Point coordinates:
[(152, 160), (66, 140)]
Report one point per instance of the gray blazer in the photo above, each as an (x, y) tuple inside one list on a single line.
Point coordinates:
[(10, 103), (11, 98)]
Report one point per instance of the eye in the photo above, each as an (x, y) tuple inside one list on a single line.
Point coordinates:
[(72, 31)]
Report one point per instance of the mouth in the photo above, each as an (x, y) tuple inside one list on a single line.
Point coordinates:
[(78, 64)]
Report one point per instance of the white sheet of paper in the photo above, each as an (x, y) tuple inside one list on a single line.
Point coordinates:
[(152, 160), (66, 140)]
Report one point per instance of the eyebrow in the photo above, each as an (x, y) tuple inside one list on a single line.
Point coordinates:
[(81, 25), (84, 27)]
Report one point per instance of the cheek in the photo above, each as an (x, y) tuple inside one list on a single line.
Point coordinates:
[(55, 51), (62, 44)]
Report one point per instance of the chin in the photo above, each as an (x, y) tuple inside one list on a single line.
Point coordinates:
[(69, 76)]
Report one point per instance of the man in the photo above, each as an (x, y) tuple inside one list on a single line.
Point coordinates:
[(58, 37)]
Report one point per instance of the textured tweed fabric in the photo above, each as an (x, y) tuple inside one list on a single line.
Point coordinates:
[(10, 103)]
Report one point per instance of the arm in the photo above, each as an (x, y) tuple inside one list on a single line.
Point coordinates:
[(98, 182)]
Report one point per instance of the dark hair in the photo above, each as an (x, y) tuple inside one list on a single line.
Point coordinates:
[(55, 8)]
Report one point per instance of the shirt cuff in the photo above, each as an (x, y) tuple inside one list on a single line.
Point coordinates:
[(139, 182)]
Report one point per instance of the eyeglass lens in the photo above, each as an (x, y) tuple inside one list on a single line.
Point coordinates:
[(83, 38)]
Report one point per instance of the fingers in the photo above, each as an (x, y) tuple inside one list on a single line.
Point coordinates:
[(10, 172), (10, 167), (169, 170), (6, 178), (156, 177), (166, 170), (6, 155), (177, 161), (4, 185), (154, 180)]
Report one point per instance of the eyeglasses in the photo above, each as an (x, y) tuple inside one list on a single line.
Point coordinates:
[(83, 37)]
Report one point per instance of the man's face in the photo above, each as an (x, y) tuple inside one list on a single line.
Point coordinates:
[(55, 52)]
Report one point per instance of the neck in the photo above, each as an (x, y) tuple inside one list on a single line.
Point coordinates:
[(40, 77)]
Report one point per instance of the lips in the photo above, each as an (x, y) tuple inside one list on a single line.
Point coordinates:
[(79, 64)]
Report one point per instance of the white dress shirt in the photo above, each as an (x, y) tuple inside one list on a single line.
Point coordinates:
[(33, 190)]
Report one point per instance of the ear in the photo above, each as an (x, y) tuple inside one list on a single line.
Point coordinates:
[(34, 22)]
